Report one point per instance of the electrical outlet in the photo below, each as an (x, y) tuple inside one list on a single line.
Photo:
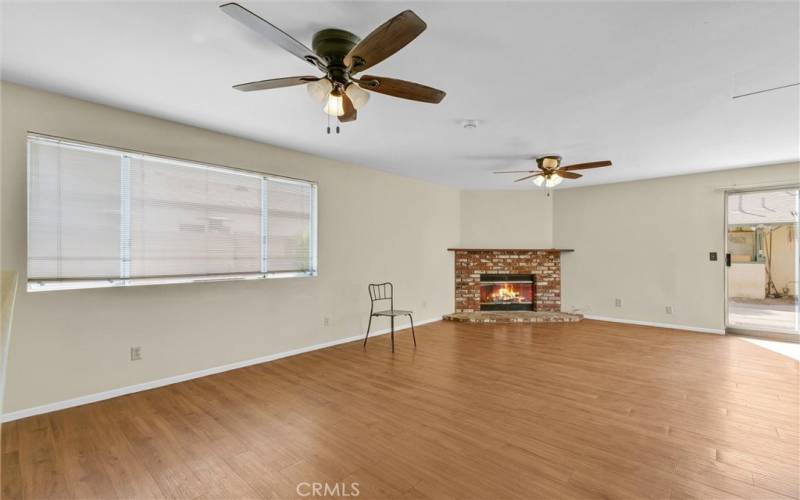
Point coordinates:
[(424, 304), (326, 321), (136, 353), (668, 309), (617, 302)]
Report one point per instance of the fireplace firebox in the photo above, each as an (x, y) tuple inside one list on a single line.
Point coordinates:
[(507, 292)]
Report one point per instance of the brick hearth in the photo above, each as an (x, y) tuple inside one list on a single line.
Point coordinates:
[(513, 317), (471, 263)]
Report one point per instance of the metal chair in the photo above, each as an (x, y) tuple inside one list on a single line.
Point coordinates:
[(385, 291)]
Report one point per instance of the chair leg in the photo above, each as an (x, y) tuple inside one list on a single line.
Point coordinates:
[(369, 324), (392, 333), (413, 335)]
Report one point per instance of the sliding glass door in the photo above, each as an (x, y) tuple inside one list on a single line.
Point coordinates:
[(762, 262)]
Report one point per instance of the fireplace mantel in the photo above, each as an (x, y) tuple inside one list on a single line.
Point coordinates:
[(510, 250)]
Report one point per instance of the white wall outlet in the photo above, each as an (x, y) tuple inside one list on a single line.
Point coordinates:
[(136, 353), (424, 304), (617, 302), (326, 321), (668, 309)]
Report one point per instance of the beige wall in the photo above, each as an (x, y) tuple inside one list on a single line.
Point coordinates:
[(68, 344), (647, 242), (506, 219)]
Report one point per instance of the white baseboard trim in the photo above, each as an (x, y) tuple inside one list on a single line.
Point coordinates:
[(701, 329), (153, 384)]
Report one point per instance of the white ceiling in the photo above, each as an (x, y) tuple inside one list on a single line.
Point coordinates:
[(647, 85)]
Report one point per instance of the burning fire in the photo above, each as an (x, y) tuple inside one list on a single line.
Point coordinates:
[(505, 294)]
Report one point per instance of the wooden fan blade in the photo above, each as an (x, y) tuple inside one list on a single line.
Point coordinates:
[(384, 41), (516, 172), (592, 164), (270, 32), (275, 83), (402, 89), (350, 113), (568, 175), (528, 177)]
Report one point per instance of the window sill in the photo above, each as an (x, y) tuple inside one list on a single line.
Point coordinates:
[(79, 284)]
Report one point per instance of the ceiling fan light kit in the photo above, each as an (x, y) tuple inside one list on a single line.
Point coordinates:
[(340, 54), (320, 89), (357, 95), (548, 181), (335, 104)]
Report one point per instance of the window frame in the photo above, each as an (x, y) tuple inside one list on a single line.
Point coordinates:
[(40, 285)]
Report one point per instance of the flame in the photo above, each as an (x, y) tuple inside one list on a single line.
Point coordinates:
[(505, 294)]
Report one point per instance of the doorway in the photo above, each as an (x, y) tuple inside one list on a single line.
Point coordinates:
[(762, 263)]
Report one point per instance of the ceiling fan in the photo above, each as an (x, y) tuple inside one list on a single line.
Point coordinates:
[(340, 54), (551, 173)]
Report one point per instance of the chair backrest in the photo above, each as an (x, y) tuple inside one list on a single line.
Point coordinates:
[(381, 291)]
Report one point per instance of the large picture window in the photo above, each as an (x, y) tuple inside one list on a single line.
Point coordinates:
[(101, 217)]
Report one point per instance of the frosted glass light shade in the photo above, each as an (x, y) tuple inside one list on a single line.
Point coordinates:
[(335, 106), (553, 181), (538, 180), (357, 95), (320, 89)]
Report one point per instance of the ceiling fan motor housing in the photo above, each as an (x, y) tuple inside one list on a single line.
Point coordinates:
[(549, 162), (332, 45)]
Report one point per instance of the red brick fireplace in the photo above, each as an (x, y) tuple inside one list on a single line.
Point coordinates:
[(544, 265)]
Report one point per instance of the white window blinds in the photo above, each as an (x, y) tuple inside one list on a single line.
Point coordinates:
[(289, 226), (105, 217), (74, 212), (189, 220)]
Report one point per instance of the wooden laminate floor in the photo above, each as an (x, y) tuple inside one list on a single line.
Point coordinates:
[(575, 410)]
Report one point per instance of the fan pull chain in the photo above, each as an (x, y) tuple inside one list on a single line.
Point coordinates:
[(338, 130)]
